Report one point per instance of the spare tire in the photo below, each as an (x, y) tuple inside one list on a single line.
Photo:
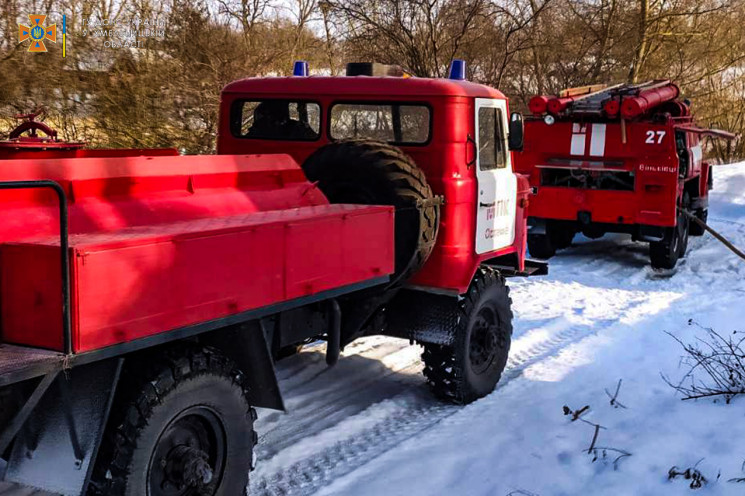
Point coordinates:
[(373, 173)]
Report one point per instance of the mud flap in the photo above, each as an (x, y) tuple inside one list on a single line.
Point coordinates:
[(56, 449), (247, 345), (423, 317)]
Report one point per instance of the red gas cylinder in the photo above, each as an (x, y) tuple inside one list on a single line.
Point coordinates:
[(538, 104), (557, 105), (647, 99), (612, 107)]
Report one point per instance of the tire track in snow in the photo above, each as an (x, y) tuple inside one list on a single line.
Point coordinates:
[(320, 468)]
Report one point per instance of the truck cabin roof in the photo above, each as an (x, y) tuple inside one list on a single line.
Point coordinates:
[(361, 87)]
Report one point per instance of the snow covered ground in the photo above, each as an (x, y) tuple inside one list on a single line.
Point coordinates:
[(370, 427)]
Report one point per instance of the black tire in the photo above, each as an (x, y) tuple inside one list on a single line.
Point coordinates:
[(665, 254), (685, 226), (373, 173), (541, 246), (701, 214), (561, 237), (172, 426), (471, 367)]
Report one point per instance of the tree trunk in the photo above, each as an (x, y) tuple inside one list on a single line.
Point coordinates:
[(641, 48)]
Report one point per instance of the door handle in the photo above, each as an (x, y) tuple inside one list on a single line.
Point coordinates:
[(471, 141), (487, 205)]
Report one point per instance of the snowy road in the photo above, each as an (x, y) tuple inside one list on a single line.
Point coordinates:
[(369, 426)]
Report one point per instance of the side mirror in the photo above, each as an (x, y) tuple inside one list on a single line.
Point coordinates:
[(515, 138)]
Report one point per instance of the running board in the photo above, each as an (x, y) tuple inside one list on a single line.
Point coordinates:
[(532, 268)]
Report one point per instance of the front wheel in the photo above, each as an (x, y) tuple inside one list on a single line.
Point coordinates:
[(470, 367), (185, 428)]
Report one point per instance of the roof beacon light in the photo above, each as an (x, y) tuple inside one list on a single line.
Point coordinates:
[(300, 68), (457, 70)]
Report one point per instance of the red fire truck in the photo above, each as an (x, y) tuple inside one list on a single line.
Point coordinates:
[(145, 295), (625, 158)]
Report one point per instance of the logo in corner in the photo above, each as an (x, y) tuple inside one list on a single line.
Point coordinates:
[(37, 33)]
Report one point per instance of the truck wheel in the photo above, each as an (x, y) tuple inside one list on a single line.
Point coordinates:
[(374, 173), (183, 428), (541, 246), (470, 368), (685, 225), (701, 214), (664, 254), (561, 237)]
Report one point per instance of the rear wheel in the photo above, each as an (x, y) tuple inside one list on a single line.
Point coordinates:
[(184, 428), (701, 214), (374, 173), (665, 254), (471, 366)]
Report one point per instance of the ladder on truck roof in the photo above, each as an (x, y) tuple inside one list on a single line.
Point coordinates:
[(593, 101)]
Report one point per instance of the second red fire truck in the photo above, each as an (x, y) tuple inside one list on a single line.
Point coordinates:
[(625, 159)]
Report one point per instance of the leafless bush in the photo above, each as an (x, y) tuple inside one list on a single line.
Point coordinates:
[(716, 365), (693, 474), (614, 397), (602, 453)]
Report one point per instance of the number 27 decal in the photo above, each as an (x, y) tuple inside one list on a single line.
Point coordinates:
[(655, 137)]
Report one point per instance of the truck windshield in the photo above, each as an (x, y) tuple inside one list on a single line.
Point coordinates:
[(276, 120), (393, 123)]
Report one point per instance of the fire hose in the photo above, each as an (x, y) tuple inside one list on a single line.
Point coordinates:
[(719, 237)]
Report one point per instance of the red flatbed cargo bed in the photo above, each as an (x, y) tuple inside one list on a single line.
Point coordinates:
[(146, 280)]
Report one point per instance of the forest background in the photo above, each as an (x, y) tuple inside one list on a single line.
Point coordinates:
[(148, 73)]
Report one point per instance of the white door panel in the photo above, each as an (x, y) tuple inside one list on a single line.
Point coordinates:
[(497, 185)]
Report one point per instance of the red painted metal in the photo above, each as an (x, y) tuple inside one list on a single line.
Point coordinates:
[(144, 280), (151, 231), (150, 234), (538, 104), (17, 142), (361, 87), (644, 149), (108, 194), (648, 99), (557, 105), (612, 108), (37, 147), (444, 159), (20, 153), (654, 165)]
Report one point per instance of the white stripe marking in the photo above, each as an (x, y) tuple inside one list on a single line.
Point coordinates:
[(697, 154), (578, 144), (597, 140)]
